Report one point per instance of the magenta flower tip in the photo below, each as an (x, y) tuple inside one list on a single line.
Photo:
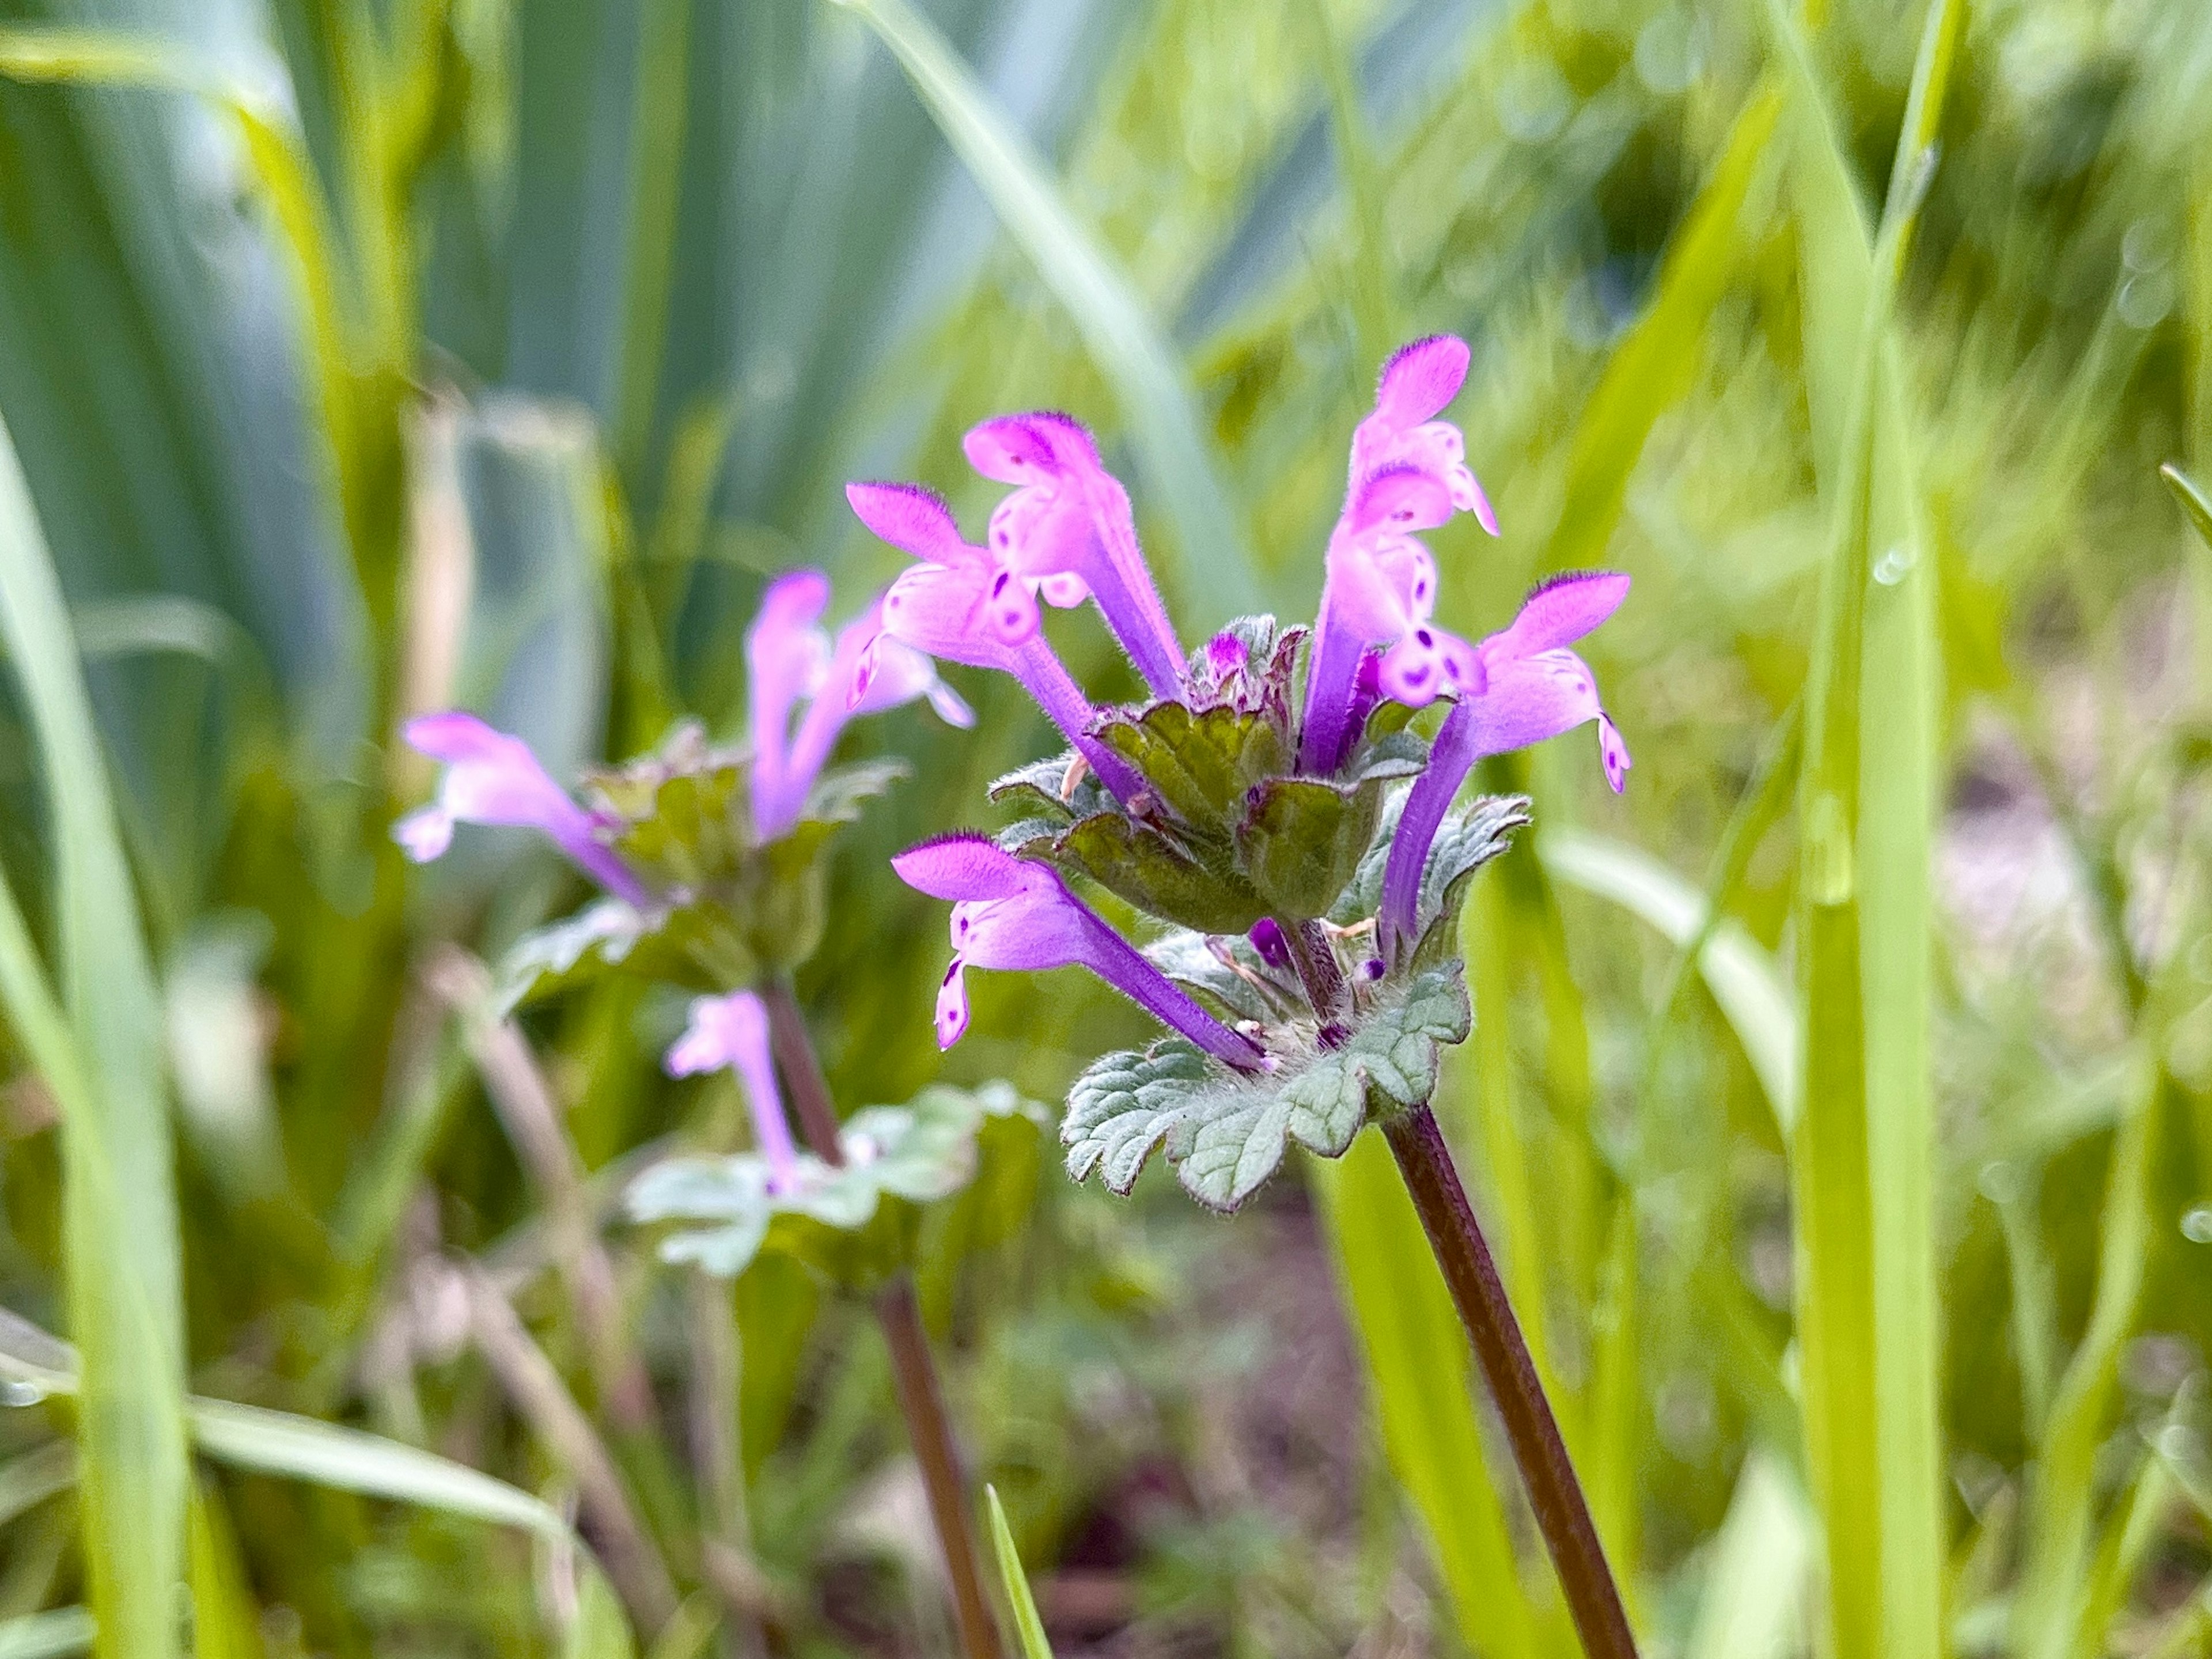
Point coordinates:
[(1613, 750), (910, 517), (952, 1005), (1421, 379), (791, 661), (1012, 913), (492, 777)]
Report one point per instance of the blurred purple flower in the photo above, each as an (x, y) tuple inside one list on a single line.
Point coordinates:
[(1408, 473), (789, 660), (961, 604), (1522, 686), (1068, 530), (730, 1032), (1011, 912), (493, 778)]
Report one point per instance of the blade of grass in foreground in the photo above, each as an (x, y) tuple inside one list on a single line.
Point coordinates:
[(96, 1044), (1215, 567), (1027, 1624), (1862, 1160)]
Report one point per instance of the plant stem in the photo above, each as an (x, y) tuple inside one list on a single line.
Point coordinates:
[(931, 1429), (811, 1100), (920, 1398), (1314, 957), (1553, 1492)]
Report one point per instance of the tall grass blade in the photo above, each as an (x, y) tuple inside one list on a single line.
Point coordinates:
[(2056, 1569), (1863, 1165), (47, 1635), (1214, 567), (1748, 987), (1655, 365), (99, 1048), (1756, 1590), (1027, 1626)]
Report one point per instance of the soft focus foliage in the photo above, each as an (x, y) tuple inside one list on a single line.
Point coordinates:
[(378, 356)]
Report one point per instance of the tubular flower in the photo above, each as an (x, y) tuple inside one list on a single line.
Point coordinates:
[(964, 604), (1068, 530), (1011, 912), (730, 1033), (1408, 473), (493, 778), (1523, 686), (789, 660)]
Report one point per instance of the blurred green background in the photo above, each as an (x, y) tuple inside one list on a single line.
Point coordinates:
[(362, 358)]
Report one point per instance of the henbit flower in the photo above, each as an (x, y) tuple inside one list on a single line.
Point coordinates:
[(730, 1032), (961, 604), (789, 659), (1068, 528), (1408, 472), (493, 778), (1527, 687), (1381, 589), (1012, 912), (1416, 386)]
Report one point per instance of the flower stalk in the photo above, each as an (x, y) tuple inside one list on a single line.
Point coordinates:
[(921, 1398), (1562, 1512)]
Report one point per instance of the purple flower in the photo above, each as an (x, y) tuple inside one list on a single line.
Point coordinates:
[(493, 778), (1522, 686), (961, 604), (789, 660), (1068, 532), (1408, 473), (730, 1032), (1012, 912)]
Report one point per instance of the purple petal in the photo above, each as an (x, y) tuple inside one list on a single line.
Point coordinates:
[(1429, 663), (730, 1032), (1069, 518), (910, 518), (1267, 940), (952, 1005), (1561, 610), (1613, 752), (786, 656), (1403, 496), (425, 833), (1420, 379), (454, 736), (1451, 757), (492, 777), (1014, 913), (968, 865)]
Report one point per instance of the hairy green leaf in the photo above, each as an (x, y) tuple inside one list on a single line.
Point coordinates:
[(856, 1221), (1227, 1133)]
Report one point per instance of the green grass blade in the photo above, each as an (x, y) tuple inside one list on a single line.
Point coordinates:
[(1756, 1590), (1655, 364), (1748, 987), (1015, 1581), (99, 1048), (1417, 1357), (348, 378), (2055, 1570), (30, 1479), (226, 1624), (1863, 1168), (47, 1635), (1215, 570), (658, 112), (2194, 502)]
